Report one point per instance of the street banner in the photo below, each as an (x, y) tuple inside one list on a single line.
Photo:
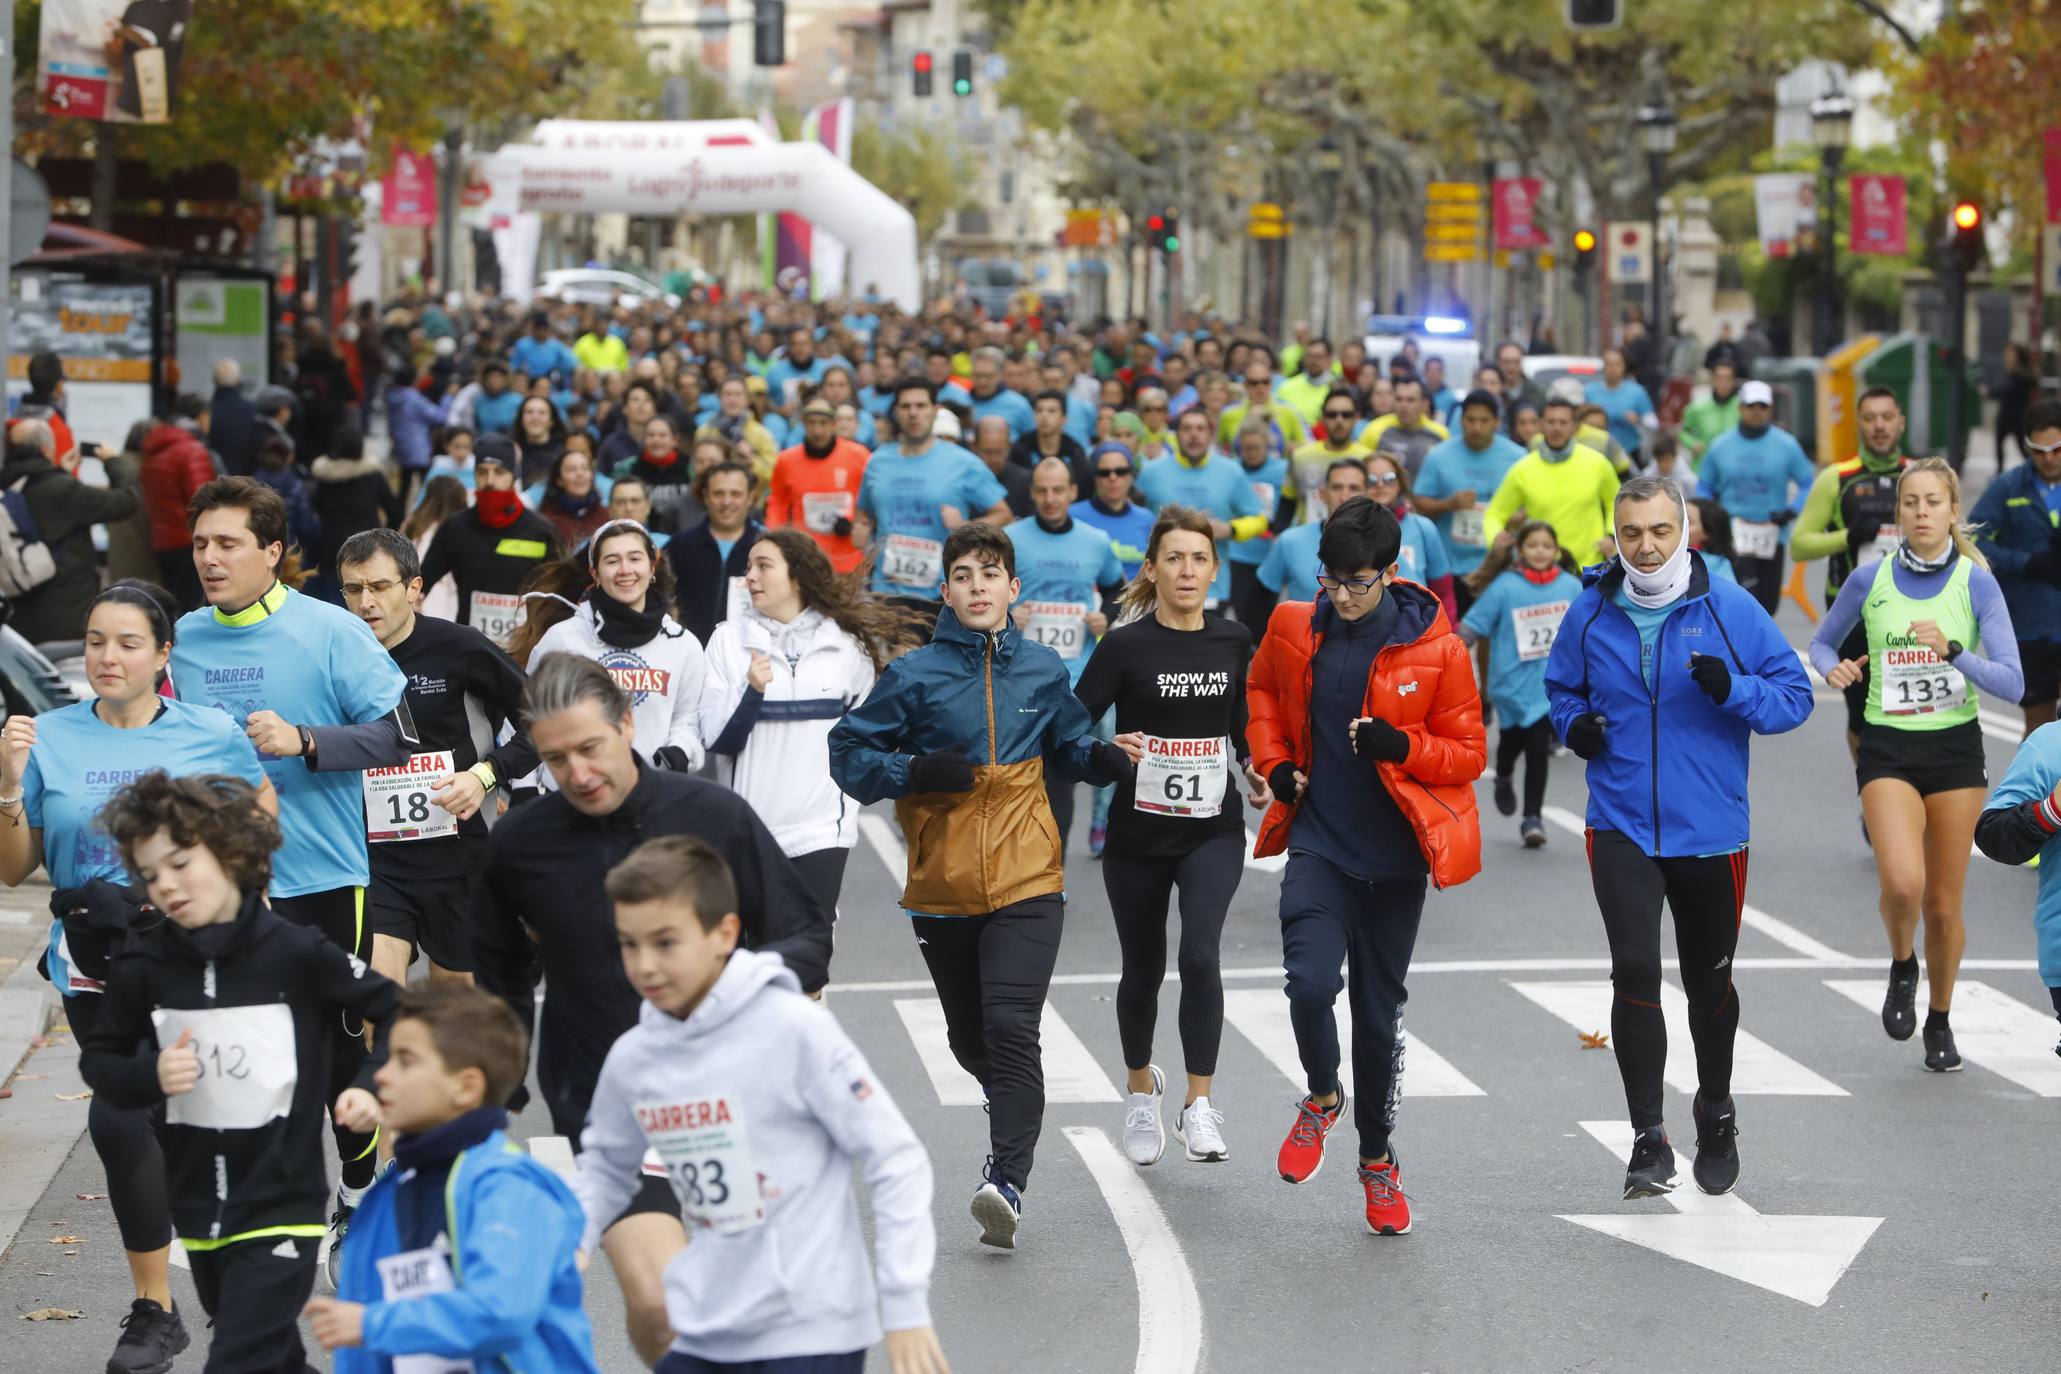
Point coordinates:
[(1785, 203), (408, 192), (1876, 220), (112, 60), (829, 124), (1516, 201)]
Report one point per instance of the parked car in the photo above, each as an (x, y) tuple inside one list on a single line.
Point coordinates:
[(1548, 368), (30, 682), (602, 286)]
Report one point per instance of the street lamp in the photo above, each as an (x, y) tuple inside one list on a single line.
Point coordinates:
[(1657, 132), (1831, 123), (1328, 165)]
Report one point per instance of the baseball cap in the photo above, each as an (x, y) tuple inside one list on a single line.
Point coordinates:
[(816, 405), (945, 426), (1756, 394), (494, 448)]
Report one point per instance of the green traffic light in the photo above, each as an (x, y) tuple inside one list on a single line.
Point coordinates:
[(1173, 245), (962, 88)]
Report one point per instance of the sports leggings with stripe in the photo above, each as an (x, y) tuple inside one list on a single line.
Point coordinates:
[(1706, 896)]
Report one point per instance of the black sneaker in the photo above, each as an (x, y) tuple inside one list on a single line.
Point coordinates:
[(151, 1339), (1506, 794), (1717, 1151), (1652, 1172), (332, 1255), (1940, 1054), (1533, 832), (1900, 1007)]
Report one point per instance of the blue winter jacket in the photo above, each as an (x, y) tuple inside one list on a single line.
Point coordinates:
[(1694, 801), (2011, 524), (515, 1305)]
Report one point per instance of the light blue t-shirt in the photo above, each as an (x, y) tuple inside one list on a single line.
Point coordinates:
[(1451, 467), (2033, 774), (314, 664), (1129, 533), (1266, 481), (905, 496), (1422, 557), (1517, 684), (1080, 420), (1068, 568), (1217, 486), (1751, 478), (1010, 406), (1647, 623), (1291, 562), (1622, 405)]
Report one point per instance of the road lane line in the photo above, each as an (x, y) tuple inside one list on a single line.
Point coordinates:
[(1169, 1307), (1757, 1067), (1261, 1016), (1071, 1073), (1993, 1031)]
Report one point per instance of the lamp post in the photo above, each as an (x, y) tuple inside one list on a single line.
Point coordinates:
[(1327, 163), (1657, 132), (1831, 123)]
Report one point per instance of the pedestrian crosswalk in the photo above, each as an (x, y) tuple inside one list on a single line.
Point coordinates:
[(1992, 1031)]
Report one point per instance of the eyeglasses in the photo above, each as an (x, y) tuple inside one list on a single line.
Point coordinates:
[(1358, 586), (1341, 415), (1256, 381), (353, 590), (1112, 472), (1384, 479)]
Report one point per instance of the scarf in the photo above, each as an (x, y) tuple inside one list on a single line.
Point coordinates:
[(578, 506), (1908, 558), (439, 1144), (661, 460), (1540, 577), (497, 509), (621, 626), (1556, 455), (1661, 587)]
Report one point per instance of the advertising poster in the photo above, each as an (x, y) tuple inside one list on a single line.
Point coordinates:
[(103, 331), (113, 60), (1878, 223)]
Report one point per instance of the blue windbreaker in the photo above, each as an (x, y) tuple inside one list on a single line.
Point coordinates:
[(2012, 522)]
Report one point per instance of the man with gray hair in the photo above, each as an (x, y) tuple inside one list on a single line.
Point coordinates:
[(230, 417), (1658, 677), (990, 397), (65, 511)]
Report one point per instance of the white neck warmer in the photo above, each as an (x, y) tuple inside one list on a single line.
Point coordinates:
[(1664, 585)]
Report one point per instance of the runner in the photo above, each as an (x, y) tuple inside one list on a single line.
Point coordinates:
[(780, 675), (1310, 468), (1749, 471), (1175, 676), (1563, 482), (708, 556), (1268, 478), (667, 476), (423, 818), (1408, 435), (1109, 508), (1715, 414), (1518, 605), (1284, 425), (2018, 528), (1653, 638), (624, 625), (56, 772), (816, 485), (490, 550), (1456, 483), (1197, 477), (1920, 765), (2023, 814), (1422, 558), (540, 905), (917, 490), (1291, 569), (1365, 722), (960, 733)]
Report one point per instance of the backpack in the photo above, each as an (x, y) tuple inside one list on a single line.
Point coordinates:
[(26, 562)]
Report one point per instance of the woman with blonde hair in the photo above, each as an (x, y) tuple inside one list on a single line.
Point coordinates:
[(1927, 610)]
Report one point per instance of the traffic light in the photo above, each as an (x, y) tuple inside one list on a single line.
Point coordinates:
[(769, 33), (1163, 231), (1584, 249), (1966, 239), (962, 73), (920, 65), (1594, 14)]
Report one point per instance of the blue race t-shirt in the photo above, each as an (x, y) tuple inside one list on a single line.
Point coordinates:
[(1129, 533), (1266, 481), (1064, 569), (1452, 467), (314, 664), (1622, 404), (1010, 406), (1216, 486), (904, 497), (1291, 563), (1752, 478), (1423, 554), (1520, 619)]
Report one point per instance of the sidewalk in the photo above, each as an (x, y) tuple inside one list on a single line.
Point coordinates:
[(25, 999)]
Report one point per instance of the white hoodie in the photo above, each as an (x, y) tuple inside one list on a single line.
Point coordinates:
[(759, 1104), (662, 678), (783, 765)]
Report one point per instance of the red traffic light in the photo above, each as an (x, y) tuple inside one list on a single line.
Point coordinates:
[(923, 63), (1155, 223), (1967, 216)]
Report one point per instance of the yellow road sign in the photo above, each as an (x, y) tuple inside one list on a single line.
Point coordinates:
[(1452, 233), (1453, 190), (1452, 252), (1451, 212)]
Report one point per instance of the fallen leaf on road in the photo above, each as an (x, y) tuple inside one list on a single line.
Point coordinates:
[(40, 1042), (29, 1077), (90, 1197), (67, 1240), (52, 1314), (1595, 1040), (74, 1097)]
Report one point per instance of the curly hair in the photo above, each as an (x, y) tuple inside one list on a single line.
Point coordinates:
[(884, 630), (214, 810)]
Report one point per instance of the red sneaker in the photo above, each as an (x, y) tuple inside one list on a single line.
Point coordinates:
[(1302, 1153), (1388, 1206)]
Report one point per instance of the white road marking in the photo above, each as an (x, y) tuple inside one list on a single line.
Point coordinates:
[(1169, 1306), (1261, 1016), (1757, 1067), (1071, 1073), (178, 1256), (1991, 1030), (555, 1153), (1799, 1257), (1273, 863), (887, 843)]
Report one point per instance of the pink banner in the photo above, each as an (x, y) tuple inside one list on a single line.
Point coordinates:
[(408, 192), (1515, 200), (1878, 222), (2053, 160)]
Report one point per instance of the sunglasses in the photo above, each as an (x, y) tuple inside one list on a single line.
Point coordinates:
[(1112, 472), (1385, 479), (2043, 449), (1341, 415), (1255, 381)]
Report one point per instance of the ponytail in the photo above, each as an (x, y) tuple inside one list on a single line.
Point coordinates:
[(1141, 597)]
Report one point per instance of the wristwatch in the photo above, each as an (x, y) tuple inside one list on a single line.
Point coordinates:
[(1954, 647), (307, 744)]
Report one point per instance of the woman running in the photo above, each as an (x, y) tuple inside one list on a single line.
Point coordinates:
[(574, 499), (1423, 557), (807, 650), (56, 771), (1176, 676), (1519, 604), (1920, 763)]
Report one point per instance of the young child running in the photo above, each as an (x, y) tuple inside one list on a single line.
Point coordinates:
[(1519, 604), (464, 1253), (243, 1005), (759, 1105)]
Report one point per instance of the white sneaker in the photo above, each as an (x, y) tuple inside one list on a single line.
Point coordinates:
[(1144, 1133), (1201, 1128)]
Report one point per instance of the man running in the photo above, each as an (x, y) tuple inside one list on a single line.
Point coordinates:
[(2017, 526), (1457, 481), (490, 550), (1197, 477), (1408, 435), (916, 491), (1750, 470)]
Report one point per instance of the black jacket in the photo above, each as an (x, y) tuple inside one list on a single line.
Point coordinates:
[(1024, 454), (483, 559), (230, 417), (226, 1182), (539, 903), (322, 386), (66, 511), (704, 575), (351, 495)]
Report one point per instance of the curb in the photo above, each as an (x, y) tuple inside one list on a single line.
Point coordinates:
[(26, 1004)]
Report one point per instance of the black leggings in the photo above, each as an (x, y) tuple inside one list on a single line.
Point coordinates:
[(1707, 897), (1535, 742), (339, 914), (126, 1141), (1207, 877), (822, 873), (1059, 796)]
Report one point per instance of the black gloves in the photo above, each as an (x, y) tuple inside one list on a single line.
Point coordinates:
[(1282, 781), (1585, 735), (1110, 762), (944, 771), (842, 528), (1712, 676), (1860, 534), (672, 758), (1376, 740), (2046, 564)]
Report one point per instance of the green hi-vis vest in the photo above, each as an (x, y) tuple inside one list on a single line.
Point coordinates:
[(1909, 686)]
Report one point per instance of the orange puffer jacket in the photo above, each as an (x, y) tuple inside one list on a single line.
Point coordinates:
[(1424, 686)]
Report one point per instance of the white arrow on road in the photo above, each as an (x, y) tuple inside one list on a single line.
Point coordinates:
[(1799, 1257)]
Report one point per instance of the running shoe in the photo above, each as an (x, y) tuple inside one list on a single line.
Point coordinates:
[(1144, 1133), (1302, 1153), (151, 1339), (1940, 1054), (1098, 836), (1506, 794), (1652, 1171), (1388, 1206), (1900, 1007), (1533, 832), (332, 1244), (997, 1207), (1200, 1127), (1717, 1149)]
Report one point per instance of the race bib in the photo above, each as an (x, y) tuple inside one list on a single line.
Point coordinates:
[(496, 615), (821, 510), (739, 600), (1755, 539), (398, 802), (1061, 626), (419, 1274), (1468, 529), (707, 1152), (1183, 777), (1268, 495), (912, 562), (1535, 628), (247, 1066), (1917, 682)]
